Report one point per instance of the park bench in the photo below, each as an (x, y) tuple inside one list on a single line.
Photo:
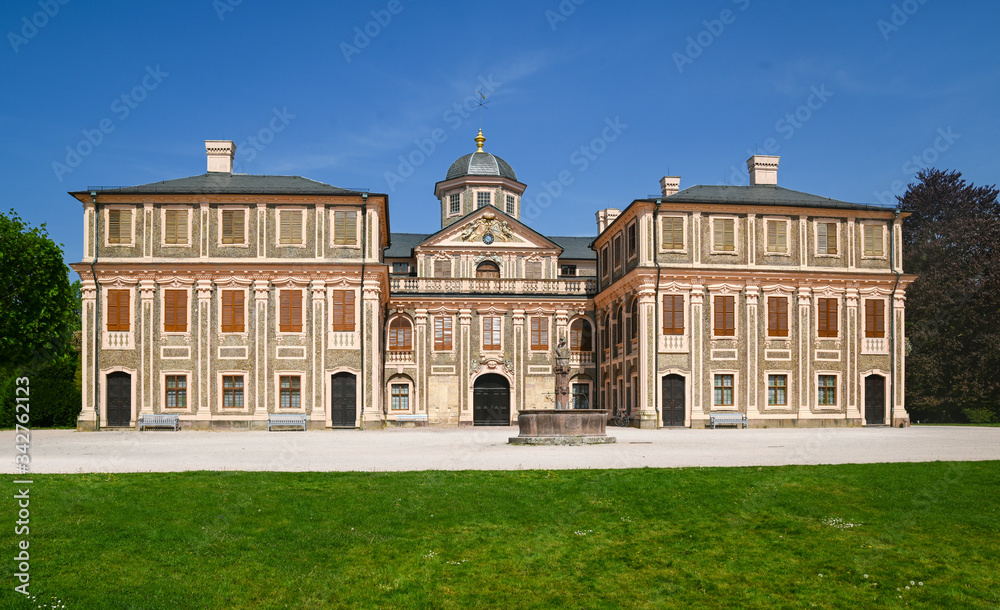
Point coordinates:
[(159, 420), (737, 419), (286, 419), (414, 417)]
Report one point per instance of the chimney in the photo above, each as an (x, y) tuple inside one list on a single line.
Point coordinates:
[(220, 155), (670, 185), (605, 218), (763, 169)]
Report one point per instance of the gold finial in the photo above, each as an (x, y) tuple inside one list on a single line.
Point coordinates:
[(480, 140)]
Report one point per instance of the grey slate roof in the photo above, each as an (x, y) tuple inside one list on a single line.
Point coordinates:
[(403, 243), (575, 247), (480, 164), (224, 183), (762, 194)]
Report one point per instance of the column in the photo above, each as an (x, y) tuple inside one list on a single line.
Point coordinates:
[(852, 347), (203, 354), (753, 352), (145, 338), (646, 358), (805, 350), (318, 358)]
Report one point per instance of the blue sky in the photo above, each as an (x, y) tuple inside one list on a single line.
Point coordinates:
[(854, 96)]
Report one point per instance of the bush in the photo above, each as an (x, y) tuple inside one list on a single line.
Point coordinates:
[(979, 416), (55, 401)]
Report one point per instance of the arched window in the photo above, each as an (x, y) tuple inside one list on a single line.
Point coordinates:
[(580, 339), (400, 335), (488, 269)]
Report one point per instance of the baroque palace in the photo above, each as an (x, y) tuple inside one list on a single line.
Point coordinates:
[(224, 298)]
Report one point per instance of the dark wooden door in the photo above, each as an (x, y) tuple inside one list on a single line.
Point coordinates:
[(673, 400), (491, 401), (343, 402), (119, 399), (874, 400)]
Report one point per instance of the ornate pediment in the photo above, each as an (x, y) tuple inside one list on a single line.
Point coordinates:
[(488, 228)]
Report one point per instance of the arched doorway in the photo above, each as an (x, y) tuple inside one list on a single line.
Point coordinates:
[(343, 400), (491, 401), (673, 400), (874, 400), (119, 407)]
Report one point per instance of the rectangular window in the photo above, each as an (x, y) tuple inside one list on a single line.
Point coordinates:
[(617, 249), (533, 270), (176, 392), (630, 241), (290, 314), (400, 397), (119, 226), (232, 391), (873, 240), (232, 311), (725, 316), (343, 310), (483, 199), (725, 234), (175, 311), (539, 333), (777, 316), (290, 227), (442, 267), (581, 396), (233, 227), (673, 314), (777, 236), (510, 205), (874, 318), (119, 314), (827, 390), (442, 333), (604, 262), (401, 268), (567, 270), (345, 228), (826, 238), (673, 233), (777, 386), (724, 390), (827, 323), (454, 204), (491, 333), (291, 391), (175, 227)]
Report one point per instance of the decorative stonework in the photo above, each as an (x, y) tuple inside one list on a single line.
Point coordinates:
[(487, 224)]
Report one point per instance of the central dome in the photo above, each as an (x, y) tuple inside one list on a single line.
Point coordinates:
[(480, 163)]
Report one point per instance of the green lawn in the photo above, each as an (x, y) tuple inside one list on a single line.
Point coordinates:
[(851, 536)]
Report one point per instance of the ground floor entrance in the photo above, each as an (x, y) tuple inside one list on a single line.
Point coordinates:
[(874, 400), (673, 400), (119, 404), (343, 400), (491, 401)]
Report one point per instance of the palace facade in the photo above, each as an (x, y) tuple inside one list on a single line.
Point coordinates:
[(224, 298)]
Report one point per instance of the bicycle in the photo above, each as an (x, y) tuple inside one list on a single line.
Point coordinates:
[(621, 419)]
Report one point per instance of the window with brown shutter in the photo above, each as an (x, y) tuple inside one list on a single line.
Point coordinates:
[(673, 233), (345, 228), (119, 314), (539, 333), (290, 229), (232, 311), (400, 335), (580, 336), (873, 240), (874, 318), (617, 248), (119, 226), (673, 314), (630, 241), (343, 310), (442, 333), (827, 313), (175, 227), (232, 227), (533, 270), (175, 311), (491, 333), (777, 236), (725, 316), (725, 234), (442, 267), (777, 316), (290, 320), (826, 238)]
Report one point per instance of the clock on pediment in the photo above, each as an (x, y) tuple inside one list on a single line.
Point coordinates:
[(487, 238)]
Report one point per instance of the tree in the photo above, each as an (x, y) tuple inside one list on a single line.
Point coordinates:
[(37, 308), (952, 243)]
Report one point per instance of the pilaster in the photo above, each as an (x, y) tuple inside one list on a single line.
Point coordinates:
[(318, 357), (203, 354), (754, 401), (646, 358), (805, 349), (146, 337)]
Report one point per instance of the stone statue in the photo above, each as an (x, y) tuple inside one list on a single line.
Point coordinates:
[(562, 353)]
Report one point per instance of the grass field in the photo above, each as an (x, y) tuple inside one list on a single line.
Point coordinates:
[(850, 536)]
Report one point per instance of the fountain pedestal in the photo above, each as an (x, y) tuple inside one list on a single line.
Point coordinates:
[(562, 427)]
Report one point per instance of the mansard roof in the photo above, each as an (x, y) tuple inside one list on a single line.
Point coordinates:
[(222, 183), (761, 194)]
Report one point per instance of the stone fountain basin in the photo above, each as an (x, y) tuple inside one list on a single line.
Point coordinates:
[(562, 427)]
